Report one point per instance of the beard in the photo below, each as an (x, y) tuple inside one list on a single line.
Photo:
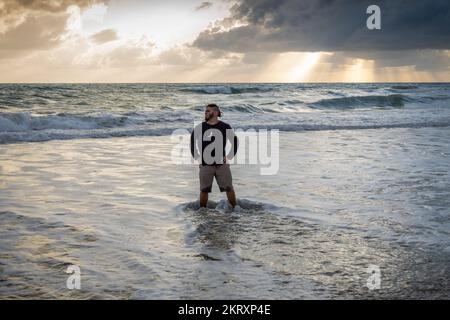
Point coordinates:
[(207, 117)]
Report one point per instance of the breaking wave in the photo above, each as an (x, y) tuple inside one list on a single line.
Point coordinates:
[(393, 100)]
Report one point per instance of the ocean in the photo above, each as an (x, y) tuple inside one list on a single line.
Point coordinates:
[(40, 112), (359, 207)]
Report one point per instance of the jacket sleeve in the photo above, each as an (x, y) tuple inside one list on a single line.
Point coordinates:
[(192, 145), (195, 144), (234, 142)]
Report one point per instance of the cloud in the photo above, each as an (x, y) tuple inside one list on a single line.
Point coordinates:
[(257, 58), (204, 5), (13, 11), (422, 60), (180, 56), (28, 25), (330, 25), (259, 41), (130, 54), (34, 33), (104, 36), (11, 6), (192, 58)]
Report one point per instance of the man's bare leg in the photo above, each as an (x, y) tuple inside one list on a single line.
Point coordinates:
[(203, 199), (231, 198)]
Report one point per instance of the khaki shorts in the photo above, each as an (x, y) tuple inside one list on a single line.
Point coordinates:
[(222, 173)]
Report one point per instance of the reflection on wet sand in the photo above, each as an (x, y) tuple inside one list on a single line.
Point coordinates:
[(333, 258)]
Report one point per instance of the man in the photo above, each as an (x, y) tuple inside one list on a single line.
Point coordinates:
[(208, 140)]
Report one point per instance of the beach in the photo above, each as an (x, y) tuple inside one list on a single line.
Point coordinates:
[(126, 215)]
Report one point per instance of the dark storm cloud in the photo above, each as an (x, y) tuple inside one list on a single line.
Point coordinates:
[(331, 25)]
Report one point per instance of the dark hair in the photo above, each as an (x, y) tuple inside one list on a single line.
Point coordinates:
[(216, 107)]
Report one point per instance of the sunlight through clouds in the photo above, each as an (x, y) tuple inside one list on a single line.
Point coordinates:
[(193, 40), (301, 71)]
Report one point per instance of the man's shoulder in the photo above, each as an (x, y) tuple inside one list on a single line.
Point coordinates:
[(198, 128), (225, 125), (200, 124)]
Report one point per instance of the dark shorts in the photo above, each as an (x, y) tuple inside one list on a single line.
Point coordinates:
[(221, 172)]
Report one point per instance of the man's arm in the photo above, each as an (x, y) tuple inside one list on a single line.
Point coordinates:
[(196, 137), (193, 145), (234, 143)]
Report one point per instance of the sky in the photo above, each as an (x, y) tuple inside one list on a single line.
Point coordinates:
[(223, 41)]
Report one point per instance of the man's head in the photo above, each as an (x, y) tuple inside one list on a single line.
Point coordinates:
[(212, 112)]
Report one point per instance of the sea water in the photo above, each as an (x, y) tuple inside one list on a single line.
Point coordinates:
[(86, 180)]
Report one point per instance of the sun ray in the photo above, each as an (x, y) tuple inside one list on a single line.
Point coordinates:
[(301, 71)]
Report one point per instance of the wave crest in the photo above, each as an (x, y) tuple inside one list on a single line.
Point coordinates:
[(393, 100), (215, 89), (24, 121)]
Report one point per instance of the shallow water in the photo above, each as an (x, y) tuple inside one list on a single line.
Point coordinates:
[(120, 210)]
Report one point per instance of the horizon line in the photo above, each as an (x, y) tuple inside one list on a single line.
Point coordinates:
[(210, 83)]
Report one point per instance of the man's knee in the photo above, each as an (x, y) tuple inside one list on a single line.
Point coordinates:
[(226, 189), (205, 189)]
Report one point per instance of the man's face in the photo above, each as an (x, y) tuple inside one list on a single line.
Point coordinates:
[(209, 113)]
